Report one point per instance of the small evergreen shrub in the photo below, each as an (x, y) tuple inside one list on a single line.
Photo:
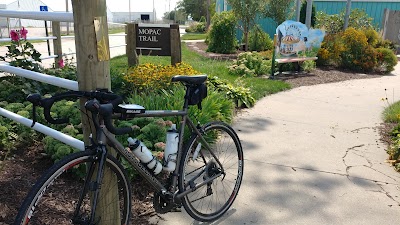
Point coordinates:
[(259, 40), (222, 34), (386, 60), (357, 54)]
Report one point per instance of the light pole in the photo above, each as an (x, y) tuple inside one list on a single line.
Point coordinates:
[(154, 13), (130, 13)]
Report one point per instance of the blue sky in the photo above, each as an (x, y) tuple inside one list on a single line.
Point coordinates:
[(161, 6)]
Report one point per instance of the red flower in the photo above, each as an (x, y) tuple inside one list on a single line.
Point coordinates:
[(61, 63), (23, 32), (14, 35)]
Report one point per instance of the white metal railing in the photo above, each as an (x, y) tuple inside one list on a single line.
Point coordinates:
[(44, 129), (31, 39), (35, 15), (56, 81), (60, 82)]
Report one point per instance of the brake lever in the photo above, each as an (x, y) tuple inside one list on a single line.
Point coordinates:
[(35, 100), (33, 115)]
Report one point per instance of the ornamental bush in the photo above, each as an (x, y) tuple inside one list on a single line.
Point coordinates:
[(259, 40), (250, 64), (222, 34), (386, 60)]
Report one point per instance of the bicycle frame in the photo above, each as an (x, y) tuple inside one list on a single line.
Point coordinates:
[(112, 141)]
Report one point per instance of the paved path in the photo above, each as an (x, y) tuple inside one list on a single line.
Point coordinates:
[(313, 156)]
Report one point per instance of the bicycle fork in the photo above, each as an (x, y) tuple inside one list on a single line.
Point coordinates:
[(91, 185)]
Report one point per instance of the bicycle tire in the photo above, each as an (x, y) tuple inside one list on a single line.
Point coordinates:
[(46, 204), (227, 147)]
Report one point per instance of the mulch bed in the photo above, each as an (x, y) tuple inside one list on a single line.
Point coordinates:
[(25, 165)]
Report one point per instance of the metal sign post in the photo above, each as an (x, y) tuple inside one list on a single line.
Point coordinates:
[(44, 8)]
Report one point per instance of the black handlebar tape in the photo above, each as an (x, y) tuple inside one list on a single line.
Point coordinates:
[(47, 103), (106, 110)]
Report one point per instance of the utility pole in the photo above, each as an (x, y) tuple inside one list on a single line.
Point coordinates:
[(309, 13), (66, 6), (347, 15), (298, 8)]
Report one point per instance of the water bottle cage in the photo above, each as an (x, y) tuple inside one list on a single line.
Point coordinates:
[(154, 167), (166, 161)]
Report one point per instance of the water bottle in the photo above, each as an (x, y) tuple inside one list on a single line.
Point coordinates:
[(144, 155), (171, 148)]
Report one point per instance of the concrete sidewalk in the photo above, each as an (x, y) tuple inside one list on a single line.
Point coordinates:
[(313, 156)]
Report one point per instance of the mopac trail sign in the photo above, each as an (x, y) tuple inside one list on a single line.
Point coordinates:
[(153, 39)]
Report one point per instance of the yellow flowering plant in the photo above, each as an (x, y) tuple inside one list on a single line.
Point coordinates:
[(153, 77)]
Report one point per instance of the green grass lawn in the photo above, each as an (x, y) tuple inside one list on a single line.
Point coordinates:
[(194, 36), (260, 87)]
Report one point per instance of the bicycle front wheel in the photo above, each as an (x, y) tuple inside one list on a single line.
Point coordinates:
[(210, 201), (61, 195)]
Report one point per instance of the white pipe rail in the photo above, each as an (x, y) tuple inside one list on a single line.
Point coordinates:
[(117, 46), (45, 130), (57, 81), (31, 39), (35, 15)]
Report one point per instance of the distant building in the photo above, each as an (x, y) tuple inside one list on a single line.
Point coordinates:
[(32, 5), (125, 17)]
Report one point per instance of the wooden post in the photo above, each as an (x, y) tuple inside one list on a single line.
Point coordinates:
[(57, 43), (130, 39), (93, 71), (176, 52)]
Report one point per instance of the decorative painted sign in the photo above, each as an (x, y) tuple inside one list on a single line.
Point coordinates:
[(296, 40)]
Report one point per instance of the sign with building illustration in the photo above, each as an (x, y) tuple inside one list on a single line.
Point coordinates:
[(294, 39)]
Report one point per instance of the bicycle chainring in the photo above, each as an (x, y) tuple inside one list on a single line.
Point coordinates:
[(162, 204)]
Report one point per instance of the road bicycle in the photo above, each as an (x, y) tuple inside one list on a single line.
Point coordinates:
[(206, 179)]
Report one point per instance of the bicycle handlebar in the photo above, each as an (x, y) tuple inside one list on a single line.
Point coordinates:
[(103, 103)]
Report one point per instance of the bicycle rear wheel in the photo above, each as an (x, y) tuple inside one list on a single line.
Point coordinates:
[(55, 196), (209, 202)]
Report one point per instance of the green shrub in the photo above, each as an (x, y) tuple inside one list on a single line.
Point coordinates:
[(308, 65), (222, 34), (332, 24), (372, 36), (241, 95), (259, 40), (250, 64), (386, 60), (196, 27), (357, 55)]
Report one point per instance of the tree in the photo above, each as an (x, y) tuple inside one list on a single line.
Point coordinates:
[(177, 16), (247, 11), (279, 10), (196, 8)]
